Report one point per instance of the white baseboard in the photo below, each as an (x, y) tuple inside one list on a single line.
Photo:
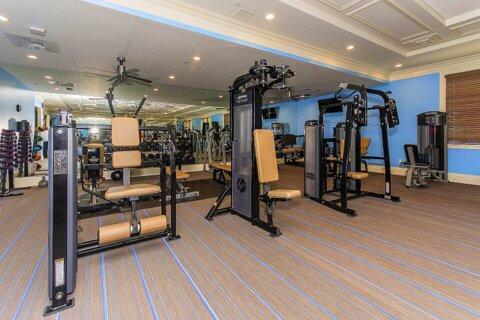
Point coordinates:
[(464, 178), (452, 177)]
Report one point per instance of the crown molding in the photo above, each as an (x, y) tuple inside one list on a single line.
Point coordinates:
[(432, 11), (192, 18), (444, 45), (462, 64), (331, 16)]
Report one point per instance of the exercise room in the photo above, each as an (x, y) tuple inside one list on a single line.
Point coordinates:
[(239, 159)]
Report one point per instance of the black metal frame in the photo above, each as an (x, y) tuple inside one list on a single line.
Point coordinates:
[(253, 84), (356, 118), (215, 210), (60, 237), (93, 247)]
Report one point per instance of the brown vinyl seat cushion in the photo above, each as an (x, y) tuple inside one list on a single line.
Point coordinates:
[(134, 190), (179, 174), (267, 164), (221, 166), (357, 175), (284, 194)]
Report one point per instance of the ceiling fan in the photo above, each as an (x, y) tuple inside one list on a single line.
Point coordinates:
[(125, 76)]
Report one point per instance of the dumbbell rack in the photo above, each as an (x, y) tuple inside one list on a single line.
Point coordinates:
[(24, 152), (8, 161)]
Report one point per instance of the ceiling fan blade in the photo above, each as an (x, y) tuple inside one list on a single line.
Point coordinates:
[(113, 78), (139, 79), (133, 70), (116, 82)]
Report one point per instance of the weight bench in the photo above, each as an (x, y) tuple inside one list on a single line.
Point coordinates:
[(182, 177), (292, 154)]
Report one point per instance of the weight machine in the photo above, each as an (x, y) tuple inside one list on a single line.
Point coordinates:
[(63, 212), (345, 168), (249, 185)]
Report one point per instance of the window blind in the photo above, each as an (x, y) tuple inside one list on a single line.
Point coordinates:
[(463, 107)]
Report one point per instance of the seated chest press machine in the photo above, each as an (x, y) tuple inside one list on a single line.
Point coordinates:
[(254, 163), (345, 169), (63, 212)]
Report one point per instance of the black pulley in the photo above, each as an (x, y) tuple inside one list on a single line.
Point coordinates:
[(117, 175)]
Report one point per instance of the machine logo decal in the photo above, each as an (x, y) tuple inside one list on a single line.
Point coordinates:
[(242, 99), (241, 185)]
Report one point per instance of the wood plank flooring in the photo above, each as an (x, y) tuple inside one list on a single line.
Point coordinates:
[(417, 259)]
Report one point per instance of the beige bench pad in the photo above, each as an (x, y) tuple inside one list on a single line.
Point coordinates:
[(221, 166), (133, 190), (179, 174), (284, 194), (358, 175)]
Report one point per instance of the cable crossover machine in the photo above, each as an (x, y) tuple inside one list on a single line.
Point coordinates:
[(344, 164)]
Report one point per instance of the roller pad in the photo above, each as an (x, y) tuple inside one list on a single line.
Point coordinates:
[(153, 224), (114, 232)]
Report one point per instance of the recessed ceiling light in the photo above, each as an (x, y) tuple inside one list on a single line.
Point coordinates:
[(399, 65), (31, 56), (171, 76), (271, 101), (48, 77), (220, 96), (57, 88), (4, 19), (302, 96), (269, 16), (196, 58), (350, 47), (155, 89), (203, 102)]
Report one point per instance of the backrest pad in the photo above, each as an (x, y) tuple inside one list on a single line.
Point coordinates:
[(125, 134), (265, 155)]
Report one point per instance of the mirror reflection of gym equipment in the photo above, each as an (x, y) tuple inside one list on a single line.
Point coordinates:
[(185, 159)]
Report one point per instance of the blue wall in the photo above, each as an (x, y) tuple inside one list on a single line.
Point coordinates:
[(287, 112), (13, 92), (218, 117), (413, 96), (197, 123)]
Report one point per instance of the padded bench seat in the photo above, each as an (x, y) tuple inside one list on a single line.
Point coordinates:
[(284, 194), (179, 174), (221, 166), (357, 175), (134, 190)]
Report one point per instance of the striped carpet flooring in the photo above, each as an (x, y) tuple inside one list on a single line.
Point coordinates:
[(417, 259)]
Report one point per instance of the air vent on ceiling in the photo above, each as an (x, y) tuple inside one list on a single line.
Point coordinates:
[(32, 43), (242, 14)]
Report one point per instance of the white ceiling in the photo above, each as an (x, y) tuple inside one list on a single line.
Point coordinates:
[(91, 37), (160, 37), (384, 32), (454, 8)]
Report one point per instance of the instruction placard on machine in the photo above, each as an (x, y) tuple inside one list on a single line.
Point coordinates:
[(60, 162), (59, 272)]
